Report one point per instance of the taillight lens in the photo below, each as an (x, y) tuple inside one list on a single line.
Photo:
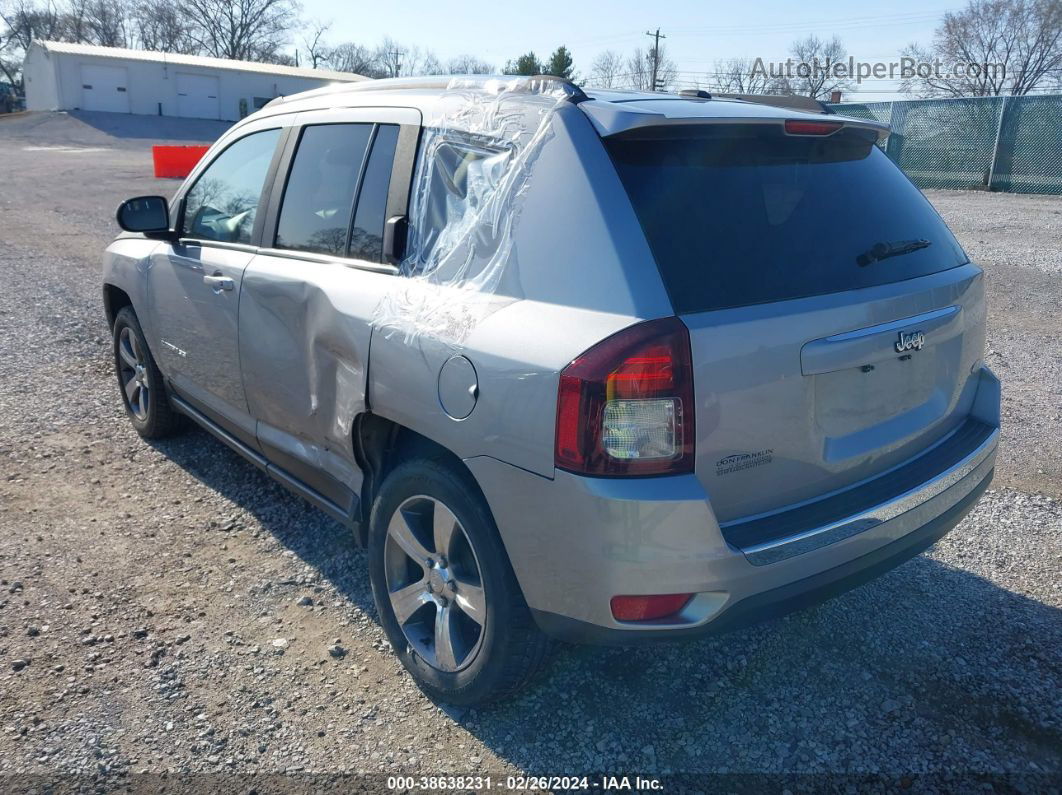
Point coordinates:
[(625, 407), (802, 127)]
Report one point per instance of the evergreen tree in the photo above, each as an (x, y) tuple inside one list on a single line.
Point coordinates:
[(526, 64), (560, 64)]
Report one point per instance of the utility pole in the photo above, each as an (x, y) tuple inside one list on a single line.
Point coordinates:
[(395, 55), (656, 55)]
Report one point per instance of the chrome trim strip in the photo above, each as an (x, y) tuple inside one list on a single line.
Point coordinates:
[(893, 325), (327, 259), (195, 241), (783, 548)]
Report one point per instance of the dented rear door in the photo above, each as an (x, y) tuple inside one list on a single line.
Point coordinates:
[(310, 293)]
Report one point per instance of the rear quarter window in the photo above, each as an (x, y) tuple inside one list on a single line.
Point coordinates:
[(462, 181), (744, 214)]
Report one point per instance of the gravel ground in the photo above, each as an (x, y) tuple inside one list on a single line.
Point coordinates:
[(166, 608)]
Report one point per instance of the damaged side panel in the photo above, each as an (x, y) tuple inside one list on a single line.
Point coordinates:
[(523, 253), (304, 348), (305, 315)]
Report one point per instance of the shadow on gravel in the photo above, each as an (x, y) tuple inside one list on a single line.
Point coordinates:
[(112, 130), (155, 128), (316, 538), (928, 668)]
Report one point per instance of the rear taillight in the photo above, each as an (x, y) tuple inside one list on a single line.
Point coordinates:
[(625, 407)]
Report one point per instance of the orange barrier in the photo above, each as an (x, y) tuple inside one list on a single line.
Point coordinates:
[(176, 161)]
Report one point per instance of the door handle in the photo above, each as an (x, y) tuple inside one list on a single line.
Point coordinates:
[(219, 283)]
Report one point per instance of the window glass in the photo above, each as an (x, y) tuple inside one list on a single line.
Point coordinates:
[(223, 202), (462, 181), (366, 238), (319, 197), (739, 215)]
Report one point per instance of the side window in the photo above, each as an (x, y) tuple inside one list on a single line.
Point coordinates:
[(319, 196), (462, 180), (223, 202), (366, 237)]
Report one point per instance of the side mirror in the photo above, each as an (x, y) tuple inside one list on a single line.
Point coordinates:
[(147, 214), (394, 239)]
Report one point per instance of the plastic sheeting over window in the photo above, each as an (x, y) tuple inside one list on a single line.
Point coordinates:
[(476, 160)]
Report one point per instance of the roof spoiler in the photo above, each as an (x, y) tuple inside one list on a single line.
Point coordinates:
[(794, 101), (618, 118)]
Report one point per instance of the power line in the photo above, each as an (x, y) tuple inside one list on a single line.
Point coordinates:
[(846, 22), (786, 27)]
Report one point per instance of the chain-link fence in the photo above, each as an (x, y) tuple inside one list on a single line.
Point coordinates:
[(997, 143)]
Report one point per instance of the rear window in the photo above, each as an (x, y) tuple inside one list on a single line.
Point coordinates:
[(744, 214)]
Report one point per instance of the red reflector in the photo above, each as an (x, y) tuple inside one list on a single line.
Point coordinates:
[(801, 127), (646, 608)]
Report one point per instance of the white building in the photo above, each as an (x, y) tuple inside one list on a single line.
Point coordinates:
[(61, 76)]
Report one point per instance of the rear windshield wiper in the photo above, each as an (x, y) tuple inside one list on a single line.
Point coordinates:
[(880, 251)]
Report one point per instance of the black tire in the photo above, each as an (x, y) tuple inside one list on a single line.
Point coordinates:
[(154, 418), (510, 649)]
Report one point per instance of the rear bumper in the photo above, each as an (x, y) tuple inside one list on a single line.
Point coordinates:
[(785, 598), (576, 542)]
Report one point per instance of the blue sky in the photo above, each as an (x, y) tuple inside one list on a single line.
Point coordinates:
[(697, 32)]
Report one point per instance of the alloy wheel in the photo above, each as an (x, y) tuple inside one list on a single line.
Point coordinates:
[(434, 584), (132, 366)]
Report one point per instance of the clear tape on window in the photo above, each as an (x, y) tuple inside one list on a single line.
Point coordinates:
[(476, 160)]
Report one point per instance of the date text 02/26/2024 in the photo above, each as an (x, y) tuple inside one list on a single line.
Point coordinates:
[(527, 783)]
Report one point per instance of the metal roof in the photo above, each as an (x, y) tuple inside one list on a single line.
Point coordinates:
[(200, 61), (611, 111)]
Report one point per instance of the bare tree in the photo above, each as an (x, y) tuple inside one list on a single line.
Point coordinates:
[(313, 42), (813, 73), (277, 56), (639, 74), (468, 65), (355, 58), (105, 22), (161, 26), (390, 57), (1005, 46), (10, 57), (399, 60), (244, 30), (26, 20), (23, 21), (739, 76), (425, 62), (607, 70)]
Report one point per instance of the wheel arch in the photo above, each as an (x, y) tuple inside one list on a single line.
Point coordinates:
[(114, 300), (380, 445)]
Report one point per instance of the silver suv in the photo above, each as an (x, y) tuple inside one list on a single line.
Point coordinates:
[(606, 367)]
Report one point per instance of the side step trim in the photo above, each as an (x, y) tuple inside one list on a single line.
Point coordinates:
[(281, 476)]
